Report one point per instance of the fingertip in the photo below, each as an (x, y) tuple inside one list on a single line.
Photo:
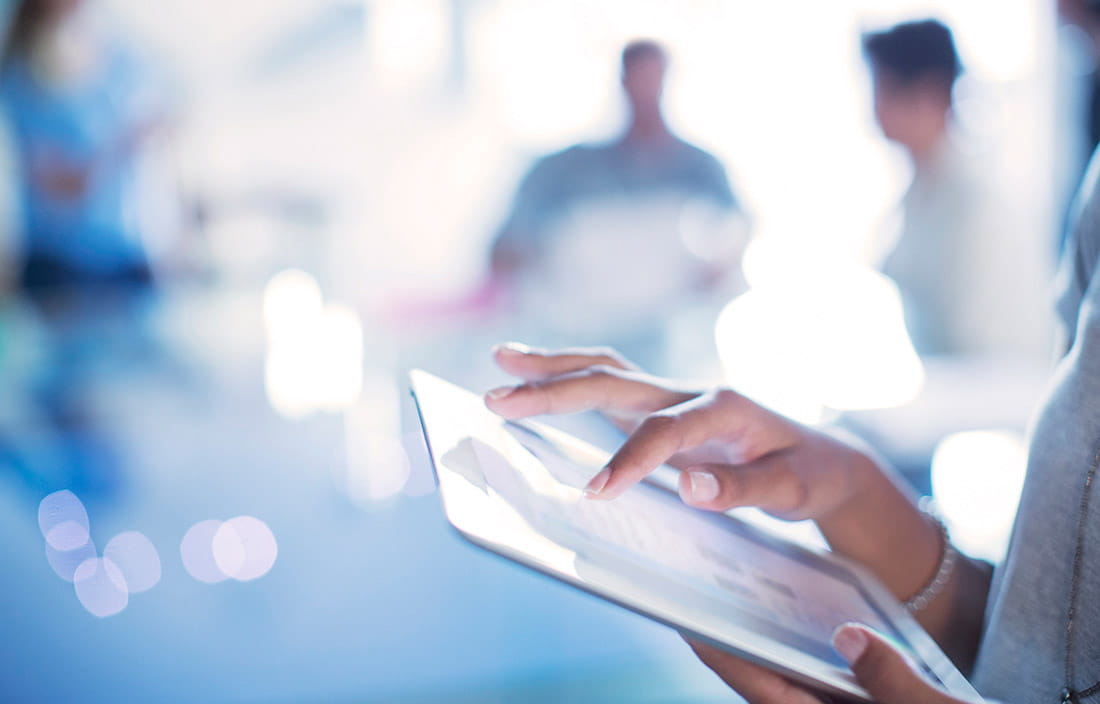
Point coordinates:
[(511, 350), (700, 487), (850, 640), (598, 483)]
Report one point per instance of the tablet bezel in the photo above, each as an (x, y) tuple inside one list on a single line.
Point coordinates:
[(778, 656)]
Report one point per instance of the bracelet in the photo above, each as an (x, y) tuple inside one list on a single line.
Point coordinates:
[(947, 565)]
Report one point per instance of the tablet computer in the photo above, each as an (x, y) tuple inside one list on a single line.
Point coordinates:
[(516, 489)]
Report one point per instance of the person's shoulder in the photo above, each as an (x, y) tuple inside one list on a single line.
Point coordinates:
[(576, 156), (695, 153)]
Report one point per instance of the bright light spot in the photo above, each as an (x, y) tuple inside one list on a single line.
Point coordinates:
[(136, 558), (63, 519), (339, 359), (67, 535), (315, 352), (292, 301), (197, 552), (831, 335), (65, 562), (409, 39), (100, 587), (244, 548), (377, 464), (977, 477)]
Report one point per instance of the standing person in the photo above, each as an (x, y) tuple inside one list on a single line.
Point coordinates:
[(960, 260), (576, 206), (79, 114)]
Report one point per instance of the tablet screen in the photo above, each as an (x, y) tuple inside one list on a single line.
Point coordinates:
[(517, 490), (773, 590)]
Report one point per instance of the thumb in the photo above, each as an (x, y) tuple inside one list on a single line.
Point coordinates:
[(882, 670)]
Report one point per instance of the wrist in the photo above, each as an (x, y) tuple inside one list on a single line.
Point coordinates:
[(879, 525)]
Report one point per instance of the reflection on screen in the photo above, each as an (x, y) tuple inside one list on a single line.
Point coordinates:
[(762, 585)]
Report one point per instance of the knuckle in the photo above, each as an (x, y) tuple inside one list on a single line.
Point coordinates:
[(602, 372), (609, 354), (726, 397), (659, 423)]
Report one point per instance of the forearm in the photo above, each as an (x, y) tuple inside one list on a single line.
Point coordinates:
[(881, 528)]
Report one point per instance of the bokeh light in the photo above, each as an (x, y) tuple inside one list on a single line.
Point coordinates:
[(826, 335), (292, 301), (377, 465), (244, 548), (67, 535), (197, 552), (100, 587), (65, 562), (136, 558), (977, 477), (63, 521), (314, 352)]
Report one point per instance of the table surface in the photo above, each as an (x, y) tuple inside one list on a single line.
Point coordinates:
[(365, 602)]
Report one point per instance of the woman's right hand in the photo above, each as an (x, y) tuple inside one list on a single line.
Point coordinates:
[(732, 451)]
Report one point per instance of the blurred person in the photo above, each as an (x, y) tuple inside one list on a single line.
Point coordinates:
[(956, 259), (81, 110), (78, 105), (666, 200)]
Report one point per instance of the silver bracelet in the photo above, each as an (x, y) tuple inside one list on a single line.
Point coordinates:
[(947, 565)]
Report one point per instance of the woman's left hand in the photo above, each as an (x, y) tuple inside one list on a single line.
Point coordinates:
[(879, 668)]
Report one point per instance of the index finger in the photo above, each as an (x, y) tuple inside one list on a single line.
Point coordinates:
[(608, 389), (747, 431), (533, 364)]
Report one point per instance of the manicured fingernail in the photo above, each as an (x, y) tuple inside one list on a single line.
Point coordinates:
[(500, 392), (704, 486), (598, 482), (513, 348), (850, 641)]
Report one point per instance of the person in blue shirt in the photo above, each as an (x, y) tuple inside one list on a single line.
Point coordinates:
[(73, 98)]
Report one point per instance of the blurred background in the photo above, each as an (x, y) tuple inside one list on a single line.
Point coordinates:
[(227, 230)]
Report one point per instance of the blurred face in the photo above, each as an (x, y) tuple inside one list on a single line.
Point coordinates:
[(908, 113), (643, 79)]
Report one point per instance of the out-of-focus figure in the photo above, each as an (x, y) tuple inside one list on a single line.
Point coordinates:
[(80, 110), (79, 107), (647, 197), (949, 260)]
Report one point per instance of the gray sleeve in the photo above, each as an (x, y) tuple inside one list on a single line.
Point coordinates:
[(1078, 261)]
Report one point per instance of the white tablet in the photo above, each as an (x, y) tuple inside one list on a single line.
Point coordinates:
[(515, 489)]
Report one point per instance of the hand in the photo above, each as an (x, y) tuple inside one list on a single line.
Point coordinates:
[(880, 669), (733, 451)]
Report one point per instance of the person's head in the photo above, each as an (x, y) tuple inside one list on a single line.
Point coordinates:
[(913, 66), (29, 18), (644, 62)]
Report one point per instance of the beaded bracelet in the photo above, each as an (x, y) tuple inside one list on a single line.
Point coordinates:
[(947, 565)]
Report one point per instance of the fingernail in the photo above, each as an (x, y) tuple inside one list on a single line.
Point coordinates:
[(598, 482), (500, 392), (850, 641), (513, 348), (704, 486)]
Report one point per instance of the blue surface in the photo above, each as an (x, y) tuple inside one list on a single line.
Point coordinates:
[(384, 604)]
